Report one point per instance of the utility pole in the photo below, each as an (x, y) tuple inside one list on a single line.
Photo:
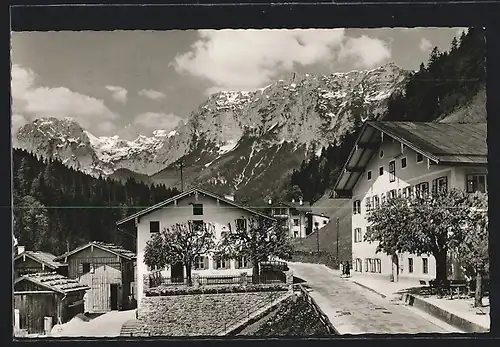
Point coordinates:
[(317, 234), (181, 166), (337, 226)]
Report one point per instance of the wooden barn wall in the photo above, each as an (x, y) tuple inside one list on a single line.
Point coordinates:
[(33, 308), (99, 295), (28, 266), (96, 256)]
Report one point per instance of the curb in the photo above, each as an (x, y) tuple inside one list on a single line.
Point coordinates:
[(443, 315), (370, 289)]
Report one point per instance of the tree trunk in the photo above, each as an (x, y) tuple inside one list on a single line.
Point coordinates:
[(478, 297), (441, 270), (188, 274), (255, 272)]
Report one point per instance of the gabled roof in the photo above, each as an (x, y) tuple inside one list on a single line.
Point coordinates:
[(110, 247), (305, 207), (185, 194), (44, 258), (55, 282), (441, 143)]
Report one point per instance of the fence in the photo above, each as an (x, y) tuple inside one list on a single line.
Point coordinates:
[(322, 316)]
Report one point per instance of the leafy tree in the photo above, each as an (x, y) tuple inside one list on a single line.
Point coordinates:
[(180, 243), (257, 239), (31, 223), (423, 224), (472, 249)]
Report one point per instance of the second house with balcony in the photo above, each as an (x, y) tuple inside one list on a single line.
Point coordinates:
[(293, 217), (393, 159)]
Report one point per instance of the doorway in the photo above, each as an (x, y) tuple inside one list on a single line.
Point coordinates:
[(114, 296), (177, 273)]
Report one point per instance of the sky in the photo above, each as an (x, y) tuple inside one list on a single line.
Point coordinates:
[(131, 82)]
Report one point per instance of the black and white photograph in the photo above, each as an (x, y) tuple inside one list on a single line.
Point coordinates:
[(249, 182)]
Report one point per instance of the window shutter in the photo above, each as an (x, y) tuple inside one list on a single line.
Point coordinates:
[(205, 263), (434, 186), (445, 183), (366, 265), (237, 263), (215, 263), (228, 263)]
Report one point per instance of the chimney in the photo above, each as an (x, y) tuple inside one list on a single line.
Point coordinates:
[(229, 197), (20, 249), (301, 202)]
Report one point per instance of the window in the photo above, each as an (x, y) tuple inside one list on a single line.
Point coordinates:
[(425, 265), (378, 265), (403, 162), (399, 192), (242, 263), (422, 189), (222, 263), (197, 224), (440, 185), (392, 171), (383, 198), (241, 224), (296, 222), (420, 158), (357, 235), (367, 265), (86, 267), (407, 192), (369, 175), (373, 265), (368, 203), (381, 153), (376, 201), (325, 222), (201, 263), (154, 227), (197, 209), (381, 171), (476, 183), (392, 194), (358, 265), (356, 207), (410, 265)]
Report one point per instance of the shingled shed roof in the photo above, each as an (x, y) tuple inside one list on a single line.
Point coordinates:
[(55, 282), (41, 257), (110, 247), (440, 143)]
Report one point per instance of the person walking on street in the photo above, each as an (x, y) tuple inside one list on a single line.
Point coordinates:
[(347, 269), (341, 267)]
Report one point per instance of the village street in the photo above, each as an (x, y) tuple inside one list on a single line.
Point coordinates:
[(355, 310)]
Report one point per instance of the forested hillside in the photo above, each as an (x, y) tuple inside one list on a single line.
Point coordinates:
[(56, 207), (448, 82)]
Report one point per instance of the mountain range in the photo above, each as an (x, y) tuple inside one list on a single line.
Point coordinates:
[(235, 141)]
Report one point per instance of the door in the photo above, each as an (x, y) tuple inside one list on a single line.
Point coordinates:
[(177, 273), (114, 296)]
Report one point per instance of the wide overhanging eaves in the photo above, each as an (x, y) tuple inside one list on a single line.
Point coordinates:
[(366, 145)]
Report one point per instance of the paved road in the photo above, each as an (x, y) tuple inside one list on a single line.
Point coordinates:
[(354, 310), (106, 325)]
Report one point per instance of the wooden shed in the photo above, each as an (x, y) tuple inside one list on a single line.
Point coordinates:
[(28, 262), (41, 295), (108, 270)]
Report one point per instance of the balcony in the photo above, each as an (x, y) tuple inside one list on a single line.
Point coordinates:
[(280, 216)]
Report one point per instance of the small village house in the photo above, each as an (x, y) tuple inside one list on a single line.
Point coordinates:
[(44, 299), (399, 159), (293, 217), (199, 206), (27, 262), (316, 221), (108, 270)]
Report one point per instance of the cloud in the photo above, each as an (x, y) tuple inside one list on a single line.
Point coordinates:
[(33, 101), (425, 45), (18, 120), (157, 121), (152, 94), (365, 52), (248, 59), (119, 93)]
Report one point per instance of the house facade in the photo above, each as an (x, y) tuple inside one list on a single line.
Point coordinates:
[(195, 205), (293, 217), (109, 272), (393, 159), (316, 221)]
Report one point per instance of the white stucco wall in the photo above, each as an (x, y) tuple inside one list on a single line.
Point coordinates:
[(220, 216), (413, 174)]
